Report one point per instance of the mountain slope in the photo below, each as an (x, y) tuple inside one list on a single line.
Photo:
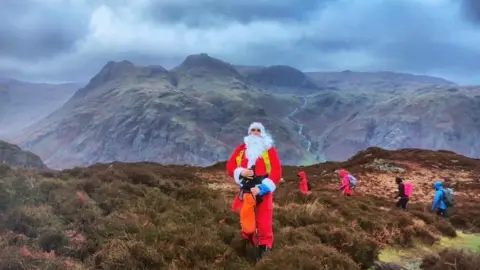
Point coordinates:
[(342, 123), (374, 81), (197, 112), (14, 156), (193, 114), (280, 79), (22, 103)]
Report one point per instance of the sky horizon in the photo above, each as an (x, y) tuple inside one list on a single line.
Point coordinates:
[(60, 41), (85, 81)]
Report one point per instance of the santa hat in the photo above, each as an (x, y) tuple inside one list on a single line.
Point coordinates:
[(256, 125)]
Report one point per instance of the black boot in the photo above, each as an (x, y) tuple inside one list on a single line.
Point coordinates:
[(241, 246), (262, 249), (245, 244)]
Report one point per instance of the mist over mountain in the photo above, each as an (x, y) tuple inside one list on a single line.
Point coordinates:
[(24, 103)]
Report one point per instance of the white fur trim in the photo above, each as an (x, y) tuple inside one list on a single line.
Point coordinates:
[(256, 125), (236, 174), (270, 184)]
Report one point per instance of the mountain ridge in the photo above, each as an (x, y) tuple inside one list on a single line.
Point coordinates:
[(197, 111), (189, 122)]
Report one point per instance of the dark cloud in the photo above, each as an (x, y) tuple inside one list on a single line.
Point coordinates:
[(200, 13), (401, 35), (72, 40), (33, 30), (472, 9), (430, 55)]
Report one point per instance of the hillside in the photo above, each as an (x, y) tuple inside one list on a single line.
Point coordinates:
[(383, 81), (145, 215), (286, 79), (341, 123), (280, 79), (24, 103), (14, 156)]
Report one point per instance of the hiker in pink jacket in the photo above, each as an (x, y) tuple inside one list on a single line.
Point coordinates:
[(404, 192), (345, 183)]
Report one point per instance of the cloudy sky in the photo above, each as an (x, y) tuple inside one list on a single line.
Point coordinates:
[(70, 40)]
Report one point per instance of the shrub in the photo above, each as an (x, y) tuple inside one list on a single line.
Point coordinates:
[(450, 259), (130, 216), (307, 257)]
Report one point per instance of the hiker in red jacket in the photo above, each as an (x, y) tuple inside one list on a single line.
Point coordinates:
[(345, 182), (304, 185), (259, 181)]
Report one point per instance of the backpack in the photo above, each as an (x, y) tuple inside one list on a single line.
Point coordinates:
[(408, 188), (448, 197), (353, 181)]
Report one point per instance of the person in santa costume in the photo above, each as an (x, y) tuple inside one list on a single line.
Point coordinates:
[(257, 151)]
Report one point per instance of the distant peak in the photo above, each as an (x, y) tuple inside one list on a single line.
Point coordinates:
[(283, 69), (7, 80), (156, 69), (202, 59), (117, 65), (198, 55), (205, 61), (112, 70), (282, 76)]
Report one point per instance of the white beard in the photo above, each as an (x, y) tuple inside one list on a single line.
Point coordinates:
[(255, 146)]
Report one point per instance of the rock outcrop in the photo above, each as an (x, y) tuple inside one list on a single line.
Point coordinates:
[(14, 156)]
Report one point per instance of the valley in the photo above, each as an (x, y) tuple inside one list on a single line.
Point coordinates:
[(304, 140)]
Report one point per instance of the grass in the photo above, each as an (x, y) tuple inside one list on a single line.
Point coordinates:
[(307, 161), (139, 216), (410, 257), (469, 242), (451, 259)]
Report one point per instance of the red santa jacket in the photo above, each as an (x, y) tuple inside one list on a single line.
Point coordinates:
[(268, 184)]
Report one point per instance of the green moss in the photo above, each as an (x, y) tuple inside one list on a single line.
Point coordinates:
[(470, 242)]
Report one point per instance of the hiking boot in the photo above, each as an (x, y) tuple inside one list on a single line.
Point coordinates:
[(262, 249)]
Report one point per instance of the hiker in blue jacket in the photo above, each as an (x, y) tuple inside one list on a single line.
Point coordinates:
[(438, 202)]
